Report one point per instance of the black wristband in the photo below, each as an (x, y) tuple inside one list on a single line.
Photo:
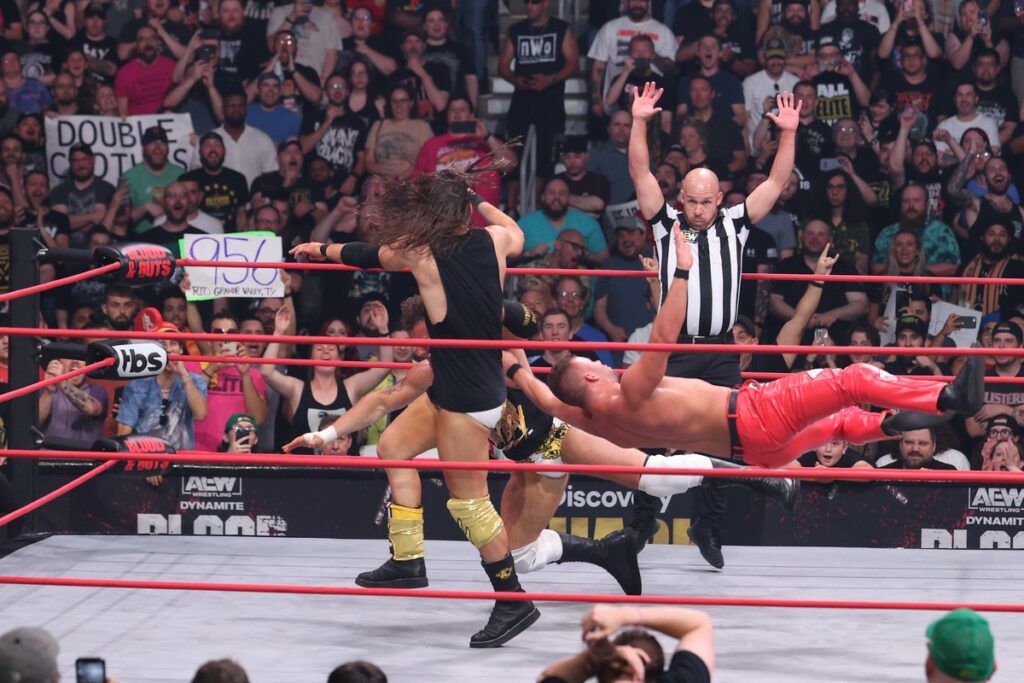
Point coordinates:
[(323, 249), (819, 285), (682, 274), (476, 200), (512, 370)]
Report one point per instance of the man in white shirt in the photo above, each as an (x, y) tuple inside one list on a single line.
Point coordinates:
[(315, 31), (767, 83), (611, 46), (967, 116), (247, 150), (196, 217)]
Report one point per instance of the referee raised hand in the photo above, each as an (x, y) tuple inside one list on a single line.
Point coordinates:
[(716, 236)]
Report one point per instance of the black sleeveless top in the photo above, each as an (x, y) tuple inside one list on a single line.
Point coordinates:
[(310, 411), (988, 214), (523, 427), (469, 380)]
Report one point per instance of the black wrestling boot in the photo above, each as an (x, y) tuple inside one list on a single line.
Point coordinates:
[(708, 543), (644, 522), (783, 490), (966, 393), (615, 553), (509, 618), (909, 420), (396, 574)]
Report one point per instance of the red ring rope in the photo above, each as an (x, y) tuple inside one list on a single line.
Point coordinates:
[(43, 383), (711, 601), (60, 282), (366, 462), (56, 493), (513, 343), (650, 274)]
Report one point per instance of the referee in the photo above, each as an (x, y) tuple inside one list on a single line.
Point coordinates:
[(717, 237)]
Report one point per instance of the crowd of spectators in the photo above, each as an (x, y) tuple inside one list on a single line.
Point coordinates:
[(909, 162)]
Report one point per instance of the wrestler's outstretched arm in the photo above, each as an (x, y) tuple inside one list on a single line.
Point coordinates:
[(641, 378), (539, 393), (370, 408)]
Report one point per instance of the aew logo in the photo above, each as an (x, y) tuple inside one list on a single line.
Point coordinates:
[(993, 497), (212, 487), (139, 359)]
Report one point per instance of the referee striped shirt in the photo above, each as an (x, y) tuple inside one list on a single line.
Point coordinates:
[(713, 294)]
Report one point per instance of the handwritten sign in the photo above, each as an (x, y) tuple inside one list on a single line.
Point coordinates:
[(252, 247), (970, 320), (116, 142), (626, 213)]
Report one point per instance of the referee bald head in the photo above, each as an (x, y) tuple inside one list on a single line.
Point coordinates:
[(700, 197)]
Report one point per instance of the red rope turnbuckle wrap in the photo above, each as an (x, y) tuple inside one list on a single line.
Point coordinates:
[(710, 601)]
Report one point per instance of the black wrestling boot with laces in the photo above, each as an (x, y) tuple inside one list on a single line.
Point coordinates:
[(783, 490), (644, 520), (509, 618), (966, 393), (395, 574), (709, 543), (615, 553)]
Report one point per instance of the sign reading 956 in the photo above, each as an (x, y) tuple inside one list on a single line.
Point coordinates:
[(210, 282)]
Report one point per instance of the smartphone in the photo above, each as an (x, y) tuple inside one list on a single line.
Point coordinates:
[(463, 127), (231, 348), (243, 433), (204, 53), (642, 64), (829, 164), (908, 6), (820, 335), (967, 322), (210, 34), (983, 17), (902, 301), (90, 670)]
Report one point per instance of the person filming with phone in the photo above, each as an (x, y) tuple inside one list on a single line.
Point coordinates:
[(239, 434)]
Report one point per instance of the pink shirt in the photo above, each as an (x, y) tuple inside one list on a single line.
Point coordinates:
[(460, 152), (144, 86), (223, 399)]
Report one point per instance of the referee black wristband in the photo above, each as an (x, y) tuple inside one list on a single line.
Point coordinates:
[(819, 285), (323, 249), (512, 370), (682, 274)]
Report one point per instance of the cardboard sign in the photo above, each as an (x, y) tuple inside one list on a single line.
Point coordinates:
[(116, 142), (253, 247)]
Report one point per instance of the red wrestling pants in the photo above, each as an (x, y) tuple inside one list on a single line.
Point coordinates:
[(779, 421)]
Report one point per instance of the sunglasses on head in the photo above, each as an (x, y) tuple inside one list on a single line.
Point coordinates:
[(165, 407)]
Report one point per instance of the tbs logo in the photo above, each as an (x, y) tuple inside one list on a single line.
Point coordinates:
[(140, 359)]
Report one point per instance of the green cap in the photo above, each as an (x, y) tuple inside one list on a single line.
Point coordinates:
[(961, 646), (235, 419)]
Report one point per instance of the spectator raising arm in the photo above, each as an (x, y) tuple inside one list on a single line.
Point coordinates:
[(792, 333)]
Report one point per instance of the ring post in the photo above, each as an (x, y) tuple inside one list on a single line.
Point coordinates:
[(24, 312)]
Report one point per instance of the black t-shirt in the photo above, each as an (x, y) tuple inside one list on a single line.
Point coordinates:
[(857, 40), (684, 667), (999, 104), (348, 53), (932, 464), (37, 59), (759, 251), (241, 55), (223, 194), (9, 14), (636, 81), (836, 99), (55, 223), (768, 362), (104, 49), (920, 96), (592, 184), (538, 50), (346, 135), (692, 21), (833, 294), (723, 137), (934, 182), (1004, 394), (269, 184), (813, 143), (454, 57)]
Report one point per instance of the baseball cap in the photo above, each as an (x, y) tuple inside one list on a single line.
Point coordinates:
[(961, 645), (747, 324), (285, 144), (154, 134), (150, 320), (775, 47), (1003, 421), (574, 144), (212, 135), (673, 148), (1009, 328), (627, 225), (914, 324), (235, 419), (373, 296), (267, 76), (95, 9), (28, 655)]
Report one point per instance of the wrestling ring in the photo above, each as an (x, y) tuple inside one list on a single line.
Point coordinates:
[(156, 607)]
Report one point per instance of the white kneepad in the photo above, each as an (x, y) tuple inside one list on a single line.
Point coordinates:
[(669, 484), (539, 554)]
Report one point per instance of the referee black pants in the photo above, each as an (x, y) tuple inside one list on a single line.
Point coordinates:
[(720, 369)]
